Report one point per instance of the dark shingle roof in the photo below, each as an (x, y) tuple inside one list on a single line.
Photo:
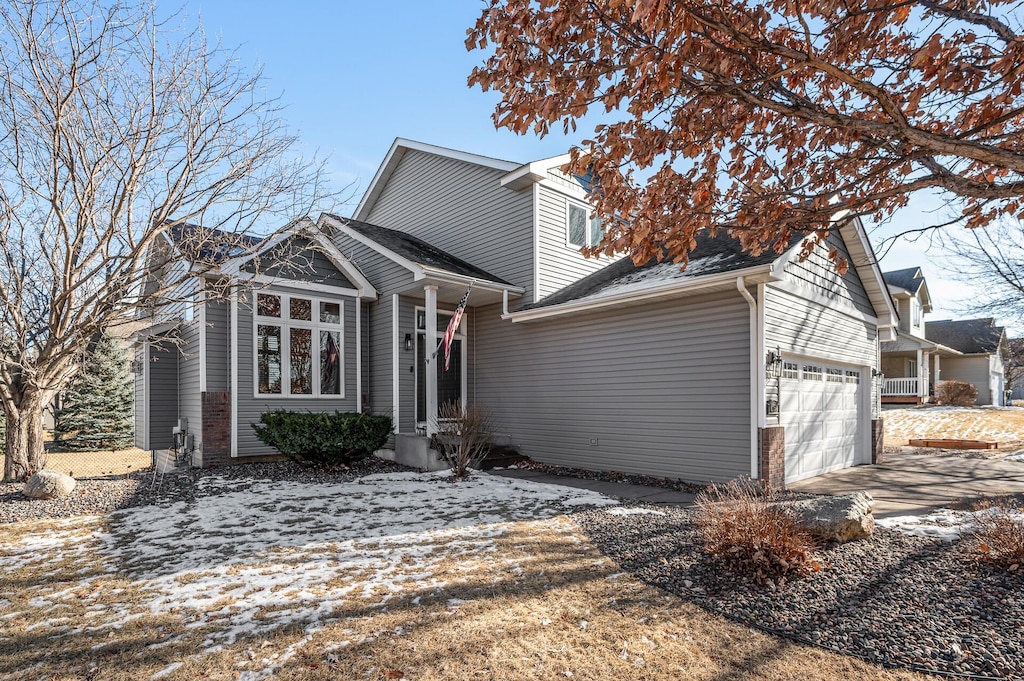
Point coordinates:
[(969, 336), (208, 245), (418, 251), (909, 279), (712, 255)]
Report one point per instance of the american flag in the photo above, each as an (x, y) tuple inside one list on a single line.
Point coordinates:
[(453, 326)]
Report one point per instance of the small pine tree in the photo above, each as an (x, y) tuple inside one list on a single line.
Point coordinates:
[(97, 410)]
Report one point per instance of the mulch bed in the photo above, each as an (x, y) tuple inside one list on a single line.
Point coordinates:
[(892, 599)]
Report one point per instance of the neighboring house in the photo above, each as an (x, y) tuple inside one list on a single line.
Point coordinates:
[(926, 353), (740, 365)]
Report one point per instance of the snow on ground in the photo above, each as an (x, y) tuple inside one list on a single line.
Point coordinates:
[(992, 424), (265, 554), (943, 524)]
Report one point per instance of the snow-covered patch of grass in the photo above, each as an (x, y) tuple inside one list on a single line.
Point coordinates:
[(265, 558), (1004, 425)]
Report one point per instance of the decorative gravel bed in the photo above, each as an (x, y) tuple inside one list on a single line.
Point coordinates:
[(611, 476), (893, 599), (103, 495)]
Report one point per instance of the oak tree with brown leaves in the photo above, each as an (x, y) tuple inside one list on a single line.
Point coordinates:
[(766, 118)]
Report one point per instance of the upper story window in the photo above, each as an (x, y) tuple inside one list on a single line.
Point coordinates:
[(299, 346), (581, 230), (915, 312)]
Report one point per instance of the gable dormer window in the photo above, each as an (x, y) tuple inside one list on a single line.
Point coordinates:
[(581, 230), (915, 312)]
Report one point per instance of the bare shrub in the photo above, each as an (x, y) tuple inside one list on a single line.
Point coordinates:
[(752, 534), (463, 436), (998, 532), (956, 393)]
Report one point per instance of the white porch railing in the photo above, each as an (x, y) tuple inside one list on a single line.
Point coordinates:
[(900, 387)]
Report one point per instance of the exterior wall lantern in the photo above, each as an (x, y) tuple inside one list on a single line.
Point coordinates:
[(408, 342), (773, 363), (875, 373)]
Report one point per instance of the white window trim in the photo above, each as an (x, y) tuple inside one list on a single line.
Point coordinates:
[(460, 334), (569, 204), (285, 324)]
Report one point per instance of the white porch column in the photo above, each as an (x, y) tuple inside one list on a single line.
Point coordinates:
[(921, 371), (938, 371), (430, 294)]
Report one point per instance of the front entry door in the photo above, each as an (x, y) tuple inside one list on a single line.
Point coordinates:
[(451, 383)]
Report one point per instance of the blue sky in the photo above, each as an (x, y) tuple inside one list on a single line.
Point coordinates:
[(355, 75)]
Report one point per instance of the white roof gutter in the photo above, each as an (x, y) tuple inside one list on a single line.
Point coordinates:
[(752, 274)]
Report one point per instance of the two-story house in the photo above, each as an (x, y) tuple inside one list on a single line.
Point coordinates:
[(763, 365), (928, 352)]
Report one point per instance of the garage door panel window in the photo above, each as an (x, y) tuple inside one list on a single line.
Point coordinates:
[(812, 372), (834, 375), (790, 370), (853, 377)]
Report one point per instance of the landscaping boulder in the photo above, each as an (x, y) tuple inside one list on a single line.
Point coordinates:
[(840, 518), (49, 485)]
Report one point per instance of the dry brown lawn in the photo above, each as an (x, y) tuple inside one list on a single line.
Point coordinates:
[(543, 604), (98, 464), (1005, 426)]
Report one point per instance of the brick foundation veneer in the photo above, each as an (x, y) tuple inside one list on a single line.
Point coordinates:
[(216, 429), (217, 433), (877, 440), (772, 448)]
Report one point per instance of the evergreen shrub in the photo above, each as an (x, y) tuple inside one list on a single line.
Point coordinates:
[(322, 438), (98, 408)]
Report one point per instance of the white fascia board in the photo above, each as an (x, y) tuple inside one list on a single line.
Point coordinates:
[(753, 275), (535, 171), (293, 228), (398, 149), (305, 227), (264, 280), (455, 278), (853, 233), (339, 224)]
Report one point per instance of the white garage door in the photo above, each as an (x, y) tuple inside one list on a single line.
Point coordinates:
[(820, 407)]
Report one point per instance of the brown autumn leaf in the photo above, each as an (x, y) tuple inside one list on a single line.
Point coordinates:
[(394, 674), (766, 119)]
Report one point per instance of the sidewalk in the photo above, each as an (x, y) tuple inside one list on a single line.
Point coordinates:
[(626, 492)]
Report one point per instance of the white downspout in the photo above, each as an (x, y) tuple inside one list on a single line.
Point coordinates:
[(234, 370), (755, 392), (359, 355)]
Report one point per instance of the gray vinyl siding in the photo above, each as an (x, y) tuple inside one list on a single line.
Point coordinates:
[(659, 388), (304, 261), (819, 273), (559, 264), (250, 408), (190, 404), (461, 208), (387, 277), (163, 393), (140, 397), (802, 327), (218, 347), (974, 370)]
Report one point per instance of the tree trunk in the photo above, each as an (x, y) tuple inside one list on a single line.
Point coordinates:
[(23, 445)]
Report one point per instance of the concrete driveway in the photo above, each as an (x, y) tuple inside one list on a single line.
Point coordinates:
[(917, 483)]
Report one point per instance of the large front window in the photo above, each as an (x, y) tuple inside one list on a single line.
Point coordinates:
[(299, 346)]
